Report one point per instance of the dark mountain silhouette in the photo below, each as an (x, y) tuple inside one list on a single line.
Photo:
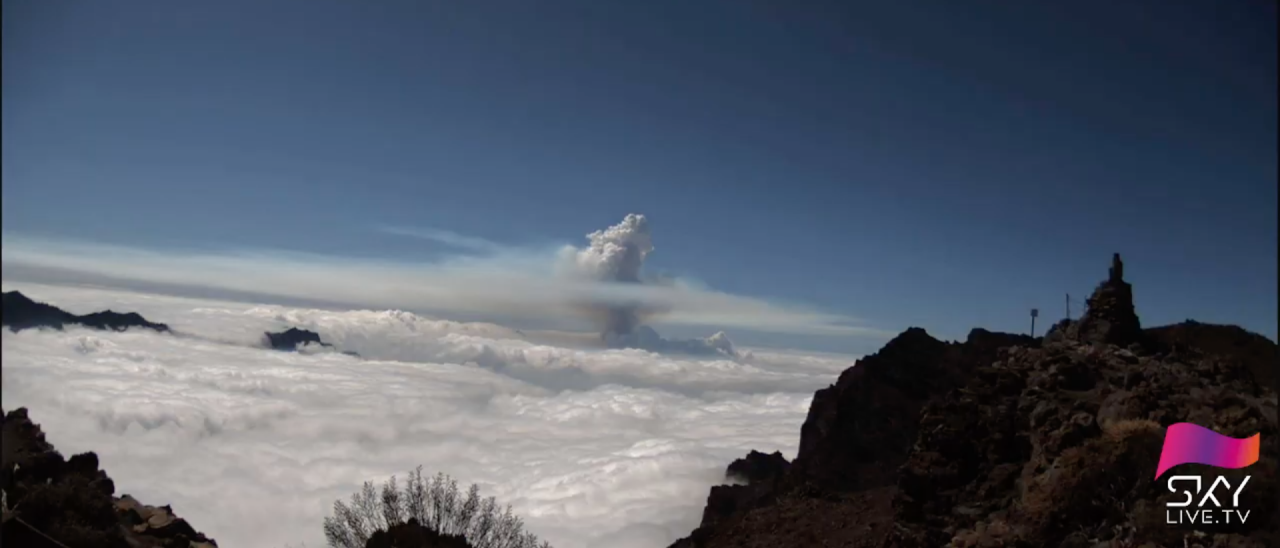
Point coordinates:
[(72, 502), (20, 312), (1005, 440)]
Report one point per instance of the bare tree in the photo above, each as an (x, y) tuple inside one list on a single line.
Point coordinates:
[(392, 509), (435, 503)]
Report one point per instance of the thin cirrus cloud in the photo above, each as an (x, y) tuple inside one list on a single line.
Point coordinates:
[(501, 282)]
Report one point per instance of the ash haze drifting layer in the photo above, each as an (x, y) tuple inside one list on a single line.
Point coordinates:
[(592, 447), (533, 286)]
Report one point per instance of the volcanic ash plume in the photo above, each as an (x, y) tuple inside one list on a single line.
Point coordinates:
[(617, 254)]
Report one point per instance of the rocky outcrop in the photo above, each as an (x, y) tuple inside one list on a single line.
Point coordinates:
[(20, 312), (290, 339), (48, 498), (1004, 440), (294, 339)]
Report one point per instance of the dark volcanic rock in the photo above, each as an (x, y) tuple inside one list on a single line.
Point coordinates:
[(118, 321), (1060, 442), (292, 338), (1257, 353), (20, 312), (859, 430), (1004, 440), (72, 500)]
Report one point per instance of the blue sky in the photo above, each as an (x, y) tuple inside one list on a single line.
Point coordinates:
[(930, 163)]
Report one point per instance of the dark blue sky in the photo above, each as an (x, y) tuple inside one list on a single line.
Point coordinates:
[(935, 163)]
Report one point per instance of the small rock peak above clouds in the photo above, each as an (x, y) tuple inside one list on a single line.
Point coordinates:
[(21, 312), (294, 339), (1006, 440), (72, 500), (290, 339)]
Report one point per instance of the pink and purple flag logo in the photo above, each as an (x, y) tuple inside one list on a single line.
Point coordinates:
[(1186, 443)]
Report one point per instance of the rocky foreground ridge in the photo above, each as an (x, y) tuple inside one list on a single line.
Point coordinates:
[(51, 502), (1006, 440)]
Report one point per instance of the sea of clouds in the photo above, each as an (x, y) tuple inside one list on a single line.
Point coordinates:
[(593, 447)]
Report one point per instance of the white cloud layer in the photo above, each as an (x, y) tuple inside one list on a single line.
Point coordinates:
[(503, 284), (593, 447)]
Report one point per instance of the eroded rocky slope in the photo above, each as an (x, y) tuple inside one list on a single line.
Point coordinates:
[(50, 501)]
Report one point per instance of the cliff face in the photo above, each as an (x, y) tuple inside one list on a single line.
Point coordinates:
[(1004, 440), (859, 430), (48, 498)]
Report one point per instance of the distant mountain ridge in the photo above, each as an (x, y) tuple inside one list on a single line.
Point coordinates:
[(20, 312)]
